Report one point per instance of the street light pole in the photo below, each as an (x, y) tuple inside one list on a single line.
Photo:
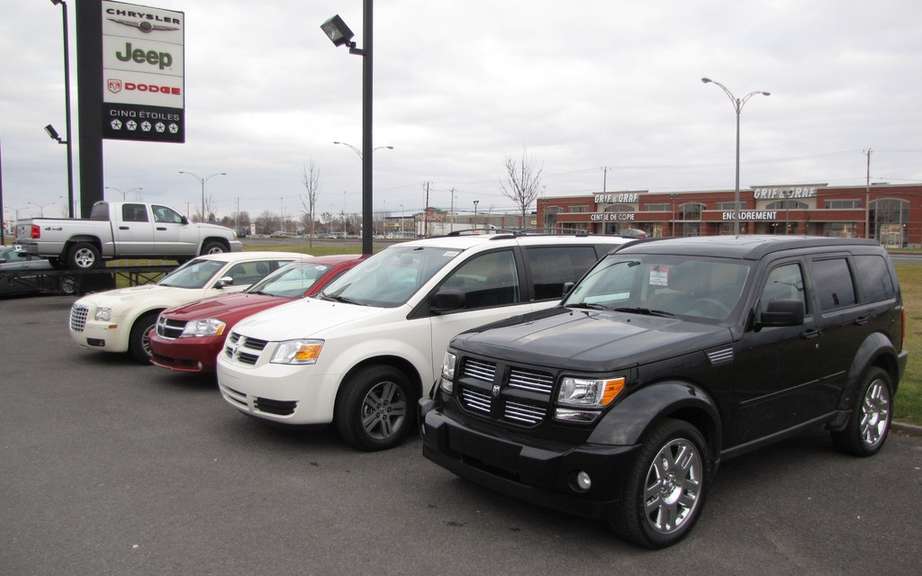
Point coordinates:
[(70, 157), (203, 181), (476, 202), (737, 104)]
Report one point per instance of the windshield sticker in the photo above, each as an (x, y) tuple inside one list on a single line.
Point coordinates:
[(659, 275), (451, 253)]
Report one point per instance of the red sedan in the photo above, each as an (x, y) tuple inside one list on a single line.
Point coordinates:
[(188, 338)]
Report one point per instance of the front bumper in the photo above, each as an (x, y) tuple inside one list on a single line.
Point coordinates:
[(186, 354), (543, 475), (278, 392), (98, 335)]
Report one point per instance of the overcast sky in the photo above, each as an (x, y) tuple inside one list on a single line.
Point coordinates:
[(460, 85)]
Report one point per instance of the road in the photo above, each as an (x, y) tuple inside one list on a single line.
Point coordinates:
[(107, 467)]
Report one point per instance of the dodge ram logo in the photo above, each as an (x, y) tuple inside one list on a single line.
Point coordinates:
[(495, 390), (115, 86)]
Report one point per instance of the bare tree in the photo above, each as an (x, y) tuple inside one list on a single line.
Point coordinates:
[(311, 180), (521, 183)]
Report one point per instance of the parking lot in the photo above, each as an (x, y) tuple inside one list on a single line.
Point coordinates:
[(107, 467)]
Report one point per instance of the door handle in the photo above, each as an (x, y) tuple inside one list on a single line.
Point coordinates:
[(124, 228), (811, 333), (161, 228), (862, 320)]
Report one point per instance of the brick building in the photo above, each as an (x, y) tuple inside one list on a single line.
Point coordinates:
[(893, 210)]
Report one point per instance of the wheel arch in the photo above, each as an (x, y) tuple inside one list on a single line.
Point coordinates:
[(629, 420), (397, 362), (219, 239), (876, 350), (94, 240)]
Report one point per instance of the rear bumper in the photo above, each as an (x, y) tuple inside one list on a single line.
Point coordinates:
[(540, 475), (901, 359), (186, 354)]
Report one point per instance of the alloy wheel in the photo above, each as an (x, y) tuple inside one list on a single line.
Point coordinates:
[(84, 258), (216, 250), (145, 341), (384, 410), (875, 414), (673, 485)]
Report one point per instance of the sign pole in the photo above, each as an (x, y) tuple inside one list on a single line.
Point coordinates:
[(367, 144), (89, 102), (2, 219)]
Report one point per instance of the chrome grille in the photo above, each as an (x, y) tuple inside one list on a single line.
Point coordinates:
[(171, 329), (78, 314), (532, 381), (523, 413), (479, 370), (477, 401)]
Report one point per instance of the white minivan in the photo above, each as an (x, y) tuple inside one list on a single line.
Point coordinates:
[(362, 352)]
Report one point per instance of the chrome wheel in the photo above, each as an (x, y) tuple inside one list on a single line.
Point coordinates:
[(672, 488), (84, 258), (384, 410), (145, 341), (875, 414), (216, 250)]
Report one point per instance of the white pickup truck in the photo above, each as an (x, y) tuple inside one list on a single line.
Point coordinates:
[(122, 230)]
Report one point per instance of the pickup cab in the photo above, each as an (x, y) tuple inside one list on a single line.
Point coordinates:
[(122, 230)]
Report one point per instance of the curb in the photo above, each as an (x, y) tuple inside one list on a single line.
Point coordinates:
[(905, 428)]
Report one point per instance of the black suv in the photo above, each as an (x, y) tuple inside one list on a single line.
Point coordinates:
[(667, 357)]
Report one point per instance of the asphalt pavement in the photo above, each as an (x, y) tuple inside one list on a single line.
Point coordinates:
[(107, 467)]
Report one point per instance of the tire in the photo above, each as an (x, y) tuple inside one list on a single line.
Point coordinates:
[(358, 417), (653, 493), (213, 247), (57, 264), (138, 343), (83, 256), (872, 412), (68, 285)]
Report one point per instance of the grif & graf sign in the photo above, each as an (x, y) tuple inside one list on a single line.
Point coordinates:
[(143, 81)]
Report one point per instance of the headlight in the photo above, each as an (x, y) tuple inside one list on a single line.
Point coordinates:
[(201, 328), (589, 393), (448, 366), (103, 313), (298, 352)]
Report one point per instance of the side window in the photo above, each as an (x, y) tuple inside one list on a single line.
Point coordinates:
[(784, 283), (873, 278), (246, 273), (100, 211), (166, 215), (134, 213), (833, 283), (551, 266), (486, 280)]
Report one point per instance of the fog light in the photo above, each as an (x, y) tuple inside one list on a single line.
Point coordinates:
[(583, 481)]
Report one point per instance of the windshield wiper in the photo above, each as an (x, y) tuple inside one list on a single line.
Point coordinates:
[(338, 298), (645, 311), (589, 305)]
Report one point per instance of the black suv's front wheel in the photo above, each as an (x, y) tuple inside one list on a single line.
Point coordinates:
[(869, 423), (664, 492)]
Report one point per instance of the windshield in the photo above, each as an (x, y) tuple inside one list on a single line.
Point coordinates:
[(661, 285), (194, 274), (291, 281), (389, 278)]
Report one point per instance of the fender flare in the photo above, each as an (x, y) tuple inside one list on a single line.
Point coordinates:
[(628, 420), (874, 347)]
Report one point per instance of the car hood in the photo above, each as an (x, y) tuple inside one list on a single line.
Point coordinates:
[(306, 318), (222, 307), (153, 292), (590, 340)]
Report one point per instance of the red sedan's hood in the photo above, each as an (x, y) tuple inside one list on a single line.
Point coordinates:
[(230, 307)]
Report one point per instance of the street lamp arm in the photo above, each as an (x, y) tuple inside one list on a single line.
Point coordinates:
[(750, 95), (733, 101), (376, 148), (351, 147), (194, 175), (210, 176)]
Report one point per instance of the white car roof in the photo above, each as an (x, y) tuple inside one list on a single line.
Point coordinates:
[(248, 256), (465, 242)]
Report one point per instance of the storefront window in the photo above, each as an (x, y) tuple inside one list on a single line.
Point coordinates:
[(839, 229), (550, 218), (787, 205), (727, 205), (691, 211), (619, 208), (842, 204), (889, 217), (664, 207)]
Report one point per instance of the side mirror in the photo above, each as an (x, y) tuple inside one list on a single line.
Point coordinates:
[(226, 281), (783, 313), (568, 287), (446, 300), (184, 220)]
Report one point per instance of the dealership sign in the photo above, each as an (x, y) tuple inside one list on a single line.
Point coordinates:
[(143, 80), (751, 215), (617, 197), (612, 217), (783, 192)]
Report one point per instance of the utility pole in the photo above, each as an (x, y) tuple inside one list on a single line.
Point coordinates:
[(426, 214), (476, 202), (2, 220), (604, 179), (237, 216), (282, 213), (451, 211), (867, 196)]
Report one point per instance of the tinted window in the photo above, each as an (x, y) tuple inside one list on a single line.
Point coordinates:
[(873, 278), (100, 211), (134, 213), (486, 280), (784, 283), (166, 215), (833, 283), (551, 266), (246, 273)]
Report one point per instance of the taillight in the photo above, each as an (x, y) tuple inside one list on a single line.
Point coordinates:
[(36, 231)]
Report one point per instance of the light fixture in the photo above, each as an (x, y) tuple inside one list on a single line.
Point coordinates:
[(337, 31)]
